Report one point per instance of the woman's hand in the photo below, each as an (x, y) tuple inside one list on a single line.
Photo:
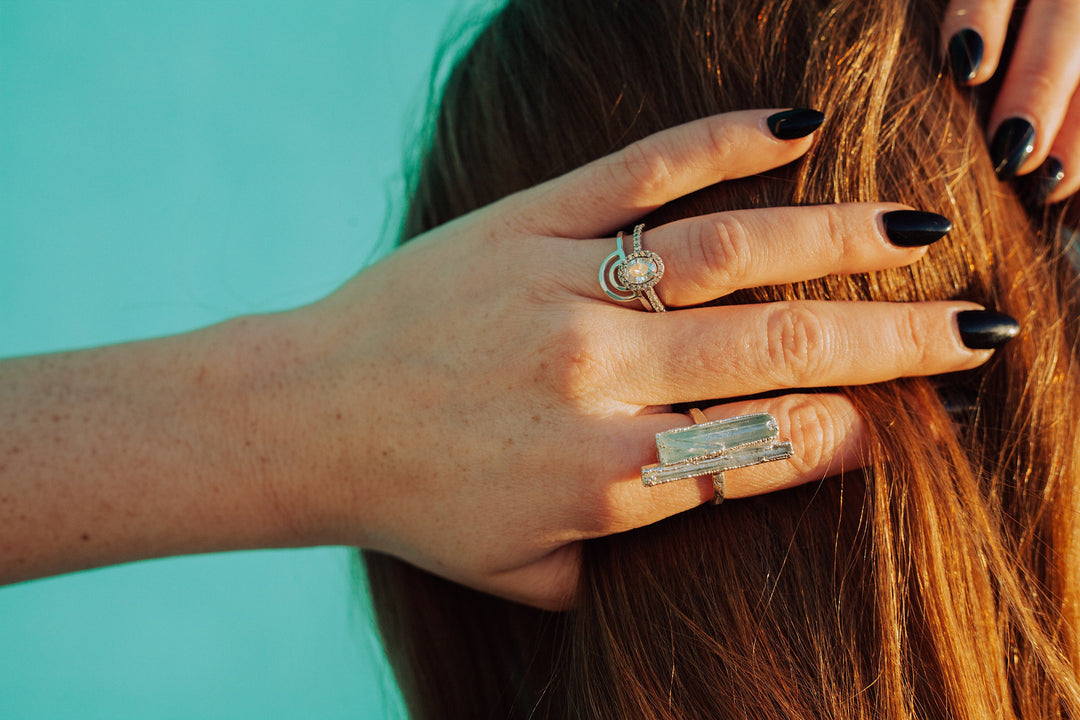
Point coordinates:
[(475, 404), (1035, 122)]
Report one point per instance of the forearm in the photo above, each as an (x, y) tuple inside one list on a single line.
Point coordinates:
[(135, 451)]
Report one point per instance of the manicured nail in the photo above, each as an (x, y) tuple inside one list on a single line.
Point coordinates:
[(959, 403), (965, 55), (1045, 180), (985, 330), (1012, 143), (914, 228), (794, 124)]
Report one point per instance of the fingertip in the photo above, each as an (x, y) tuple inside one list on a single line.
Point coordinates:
[(964, 52), (1050, 183), (985, 329), (1012, 146), (972, 37), (794, 124), (914, 228), (620, 188), (1057, 179), (825, 431)]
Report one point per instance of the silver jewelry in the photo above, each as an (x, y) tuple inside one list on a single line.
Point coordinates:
[(626, 277), (710, 448), (718, 486), (608, 268)]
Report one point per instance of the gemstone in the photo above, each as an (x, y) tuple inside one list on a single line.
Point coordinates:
[(716, 446), (639, 271), (711, 437)]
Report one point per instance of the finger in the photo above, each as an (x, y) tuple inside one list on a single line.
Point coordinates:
[(973, 33), (1057, 178), (550, 583), (711, 256), (727, 352), (1039, 84), (613, 191), (826, 433)]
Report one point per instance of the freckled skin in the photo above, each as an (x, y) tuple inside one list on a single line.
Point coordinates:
[(458, 405), (141, 459)]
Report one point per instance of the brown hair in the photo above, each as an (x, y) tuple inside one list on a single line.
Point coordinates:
[(943, 579)]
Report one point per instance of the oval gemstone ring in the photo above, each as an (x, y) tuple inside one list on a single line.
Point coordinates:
[(625, 277)]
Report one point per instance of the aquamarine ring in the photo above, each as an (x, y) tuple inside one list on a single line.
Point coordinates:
[(710, 448)]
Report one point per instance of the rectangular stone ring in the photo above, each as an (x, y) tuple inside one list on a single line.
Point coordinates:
[(710, 448)]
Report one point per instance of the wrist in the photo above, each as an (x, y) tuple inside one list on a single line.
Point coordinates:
[(145, 450), (293, 433)]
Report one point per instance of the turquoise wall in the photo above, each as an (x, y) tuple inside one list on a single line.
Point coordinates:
[(164, 165)]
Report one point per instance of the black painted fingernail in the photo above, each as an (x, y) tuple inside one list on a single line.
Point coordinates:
[(965, 55), (794, 124), (959, 402), (1045, 180), (1012, 143), (914, 228), (986, 330)]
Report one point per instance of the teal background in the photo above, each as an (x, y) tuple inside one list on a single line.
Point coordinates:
[(165, 165)]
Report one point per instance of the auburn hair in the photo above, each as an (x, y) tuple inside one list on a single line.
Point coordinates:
[(940, 580)]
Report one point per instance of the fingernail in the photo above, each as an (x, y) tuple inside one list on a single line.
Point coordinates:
[(985, 330), (1012, 143), (959, 400), (794, 124), (914, 228), (1045, 180), (965, 55), (958, 403)]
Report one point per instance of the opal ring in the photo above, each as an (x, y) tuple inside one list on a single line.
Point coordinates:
[(626, 277)]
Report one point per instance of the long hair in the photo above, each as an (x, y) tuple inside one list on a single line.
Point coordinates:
[(940, 580)]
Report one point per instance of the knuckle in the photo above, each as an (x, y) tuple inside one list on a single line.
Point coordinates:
[(796, 344), (722, 249), (839, 231), (720, 141), (511, 217), (647, 166), (812, 431), (911, 333), (574, 363)]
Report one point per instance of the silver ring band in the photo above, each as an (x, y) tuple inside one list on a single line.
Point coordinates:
[(718, 483), (625, 277)]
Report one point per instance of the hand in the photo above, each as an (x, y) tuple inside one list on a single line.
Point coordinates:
[(491, 407), (1035, 122)]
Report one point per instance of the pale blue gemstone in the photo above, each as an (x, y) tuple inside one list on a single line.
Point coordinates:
[(712, 437), (716, 446)]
